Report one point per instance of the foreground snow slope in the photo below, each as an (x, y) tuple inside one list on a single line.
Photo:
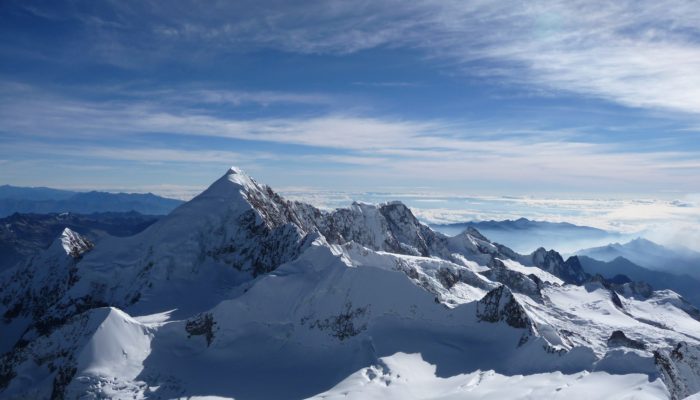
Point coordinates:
[(242, 294), (407, 377), (97, 353)]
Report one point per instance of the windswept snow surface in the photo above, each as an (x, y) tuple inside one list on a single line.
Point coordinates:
[(409, 377), (242, 294)]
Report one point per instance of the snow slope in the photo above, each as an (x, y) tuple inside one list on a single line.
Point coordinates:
[(408, 376), (97, 353)]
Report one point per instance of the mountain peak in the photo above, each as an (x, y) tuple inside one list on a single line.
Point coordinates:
[(570, 271), (237, 175), (74, 244), (640, 241), (233, 182), (501, 305), (235, 170)]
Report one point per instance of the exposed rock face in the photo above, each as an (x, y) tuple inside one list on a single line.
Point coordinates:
[(570, 271), (500, 305), (619, 339), (346, 324), (202, 325), (440, 281), (392, 227), (637, 290), (519, 283), (680, 369), (616, 300), (55, 352), (258, 247), (388, 227), (406, 230)]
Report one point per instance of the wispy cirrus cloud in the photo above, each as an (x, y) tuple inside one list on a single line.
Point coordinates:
[(383, 148), (636, 53)]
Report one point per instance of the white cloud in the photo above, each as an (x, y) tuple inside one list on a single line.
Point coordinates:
[(399, 150), (207, 96)]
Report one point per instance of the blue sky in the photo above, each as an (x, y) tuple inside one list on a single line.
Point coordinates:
[(574, 98)]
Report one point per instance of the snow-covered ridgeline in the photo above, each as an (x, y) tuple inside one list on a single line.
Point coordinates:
[(243, 285)]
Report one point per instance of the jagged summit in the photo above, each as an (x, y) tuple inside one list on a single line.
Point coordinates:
[(235, 170), (237, 175), (393, 203), (233, 182), (73, 243), (471, 231), (501, 305), (570, 270)]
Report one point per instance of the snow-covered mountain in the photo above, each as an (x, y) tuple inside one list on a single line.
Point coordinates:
[(23, 236), (649, 255), (242, 294), (621, 269)]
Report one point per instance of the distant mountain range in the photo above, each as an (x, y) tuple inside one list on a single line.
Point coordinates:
[(25, 235), (650, 255), (46, 200), (684, 285), (526, 235)]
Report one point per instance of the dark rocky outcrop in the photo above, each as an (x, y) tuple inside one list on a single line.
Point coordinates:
[(520, 283), (201, 325), (344, 325), (500, 305), (619, 339), (680, 369)]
